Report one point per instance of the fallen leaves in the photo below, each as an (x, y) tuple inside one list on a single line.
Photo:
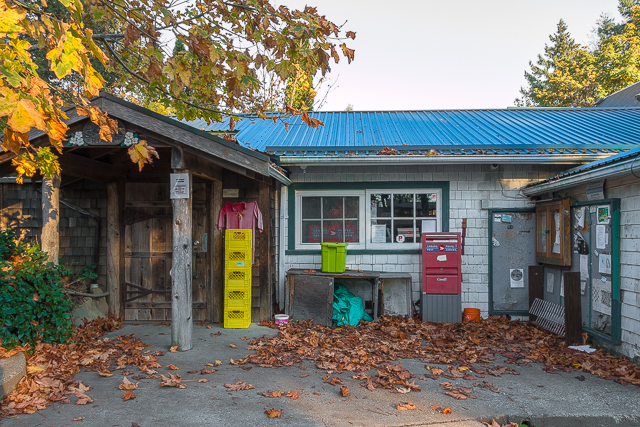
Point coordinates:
[(128, 395), (405, 406), (233, 346), (344, 391), (273, 413), (239, 386), (78, 419), (51, 367), (173, 349), (172, 381), (172, 367), (127, 385)]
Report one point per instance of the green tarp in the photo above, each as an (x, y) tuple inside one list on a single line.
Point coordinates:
[(347, 308)]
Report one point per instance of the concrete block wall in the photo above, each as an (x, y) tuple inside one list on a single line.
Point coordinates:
[(470, 185), (21, 209)]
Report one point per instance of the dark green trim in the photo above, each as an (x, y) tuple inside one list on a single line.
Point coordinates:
[(359, 252), (616, 304), (306, 186), (490, 261)]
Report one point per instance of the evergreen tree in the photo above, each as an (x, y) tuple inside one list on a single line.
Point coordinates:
[(558, 58)]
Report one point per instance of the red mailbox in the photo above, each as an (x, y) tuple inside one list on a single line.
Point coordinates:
[(441, 263)]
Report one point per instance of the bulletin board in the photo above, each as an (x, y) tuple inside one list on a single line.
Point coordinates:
[(595, 229)]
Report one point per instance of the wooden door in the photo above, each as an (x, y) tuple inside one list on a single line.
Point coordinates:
[(148, 250)]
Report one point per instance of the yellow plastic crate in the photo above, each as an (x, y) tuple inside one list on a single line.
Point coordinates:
[(237, 304), (237, 278), (237, 239), (237, 257), (237, 318)]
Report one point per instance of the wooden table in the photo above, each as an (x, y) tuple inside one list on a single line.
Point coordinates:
[(310, 293)]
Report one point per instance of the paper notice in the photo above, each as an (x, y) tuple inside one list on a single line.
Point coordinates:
[(604, 216), (517, 277), (551, 278), (378, 233), (583, 288), (441, 258), (562, 286), (604, 264), (584, 267), (601, 296), (556, 242), (580, 213), (601, 233)]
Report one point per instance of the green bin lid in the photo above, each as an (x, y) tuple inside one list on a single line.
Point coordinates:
[(333, 245)]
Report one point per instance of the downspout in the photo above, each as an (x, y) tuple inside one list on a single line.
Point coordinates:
[(282, 248)]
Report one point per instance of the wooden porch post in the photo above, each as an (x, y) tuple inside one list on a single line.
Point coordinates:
[(51, 217), (113, 249), (182, 261)]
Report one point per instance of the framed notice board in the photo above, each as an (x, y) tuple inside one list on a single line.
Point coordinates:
[(553, 233)]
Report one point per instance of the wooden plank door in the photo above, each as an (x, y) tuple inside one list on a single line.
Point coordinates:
[(148, 250)]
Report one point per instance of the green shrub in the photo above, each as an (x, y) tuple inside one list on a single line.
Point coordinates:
[(33, 305)]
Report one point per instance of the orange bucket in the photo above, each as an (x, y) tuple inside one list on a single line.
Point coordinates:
[(471, 315)]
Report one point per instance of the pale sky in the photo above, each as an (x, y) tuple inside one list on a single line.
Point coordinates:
[(427, 54)]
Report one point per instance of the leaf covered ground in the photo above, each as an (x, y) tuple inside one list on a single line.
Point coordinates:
[(371, 354)]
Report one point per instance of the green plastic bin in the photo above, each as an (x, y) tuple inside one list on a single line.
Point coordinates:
[(334, 257)]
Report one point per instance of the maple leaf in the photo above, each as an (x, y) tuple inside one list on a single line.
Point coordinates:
[(127, 385), (207, 371), (83, 399), (446, 411), (273, 413), (172, 367), (128, 395), (172, 381), (293, 395), (105, 373), (233, 346), (405, 406), (141, 153), (344, 391), (203, 380), (239, 386), (78, 419), (271, 394)]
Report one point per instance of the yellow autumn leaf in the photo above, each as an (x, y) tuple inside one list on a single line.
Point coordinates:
[(26, 116), (9, 19), (34, 369), (142, 153)]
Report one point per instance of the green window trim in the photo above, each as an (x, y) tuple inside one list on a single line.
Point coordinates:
[(319, 186)]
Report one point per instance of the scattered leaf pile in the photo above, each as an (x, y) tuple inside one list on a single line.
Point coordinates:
[(372, 345), (51, 367)]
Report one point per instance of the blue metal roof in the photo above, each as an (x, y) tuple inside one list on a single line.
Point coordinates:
[(497, 130)]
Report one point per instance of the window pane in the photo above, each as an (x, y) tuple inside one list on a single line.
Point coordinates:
[(380, 205), (351, 207), (380, 231), (311, 208), (332, 207), (403, 205), (332, 232), (310, 231), (403, 228), (426, 205), (351, 234)]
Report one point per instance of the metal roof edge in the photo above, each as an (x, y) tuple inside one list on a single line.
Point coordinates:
[(554, 184), (440, 159)]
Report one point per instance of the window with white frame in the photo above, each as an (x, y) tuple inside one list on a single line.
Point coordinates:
[(367, 219)]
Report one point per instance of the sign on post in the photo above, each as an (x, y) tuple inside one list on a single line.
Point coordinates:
[(179, 186)]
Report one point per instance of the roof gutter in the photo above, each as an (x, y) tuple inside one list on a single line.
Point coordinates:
[(441, 159), (610, 171), (274, 173)]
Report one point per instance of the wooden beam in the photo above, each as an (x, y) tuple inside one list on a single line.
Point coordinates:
[(181, 272), (183, 159), (265, 254), (113, 249), (572, 308), (122, 188), (51, 217), (217, 254)]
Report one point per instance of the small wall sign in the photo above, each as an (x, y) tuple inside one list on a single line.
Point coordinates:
[(231, 193), (179, 186)]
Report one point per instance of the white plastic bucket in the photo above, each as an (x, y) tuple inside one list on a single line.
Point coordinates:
[(281, 319)]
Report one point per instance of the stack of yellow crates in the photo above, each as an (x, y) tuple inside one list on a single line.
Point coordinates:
[(237, 278)]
